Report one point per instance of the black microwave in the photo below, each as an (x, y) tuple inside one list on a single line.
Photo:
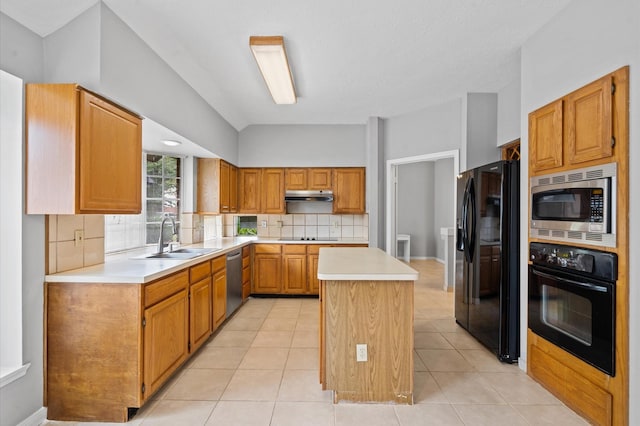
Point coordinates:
[(575, 205)]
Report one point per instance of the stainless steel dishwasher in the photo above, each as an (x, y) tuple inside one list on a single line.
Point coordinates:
[(234, 281)]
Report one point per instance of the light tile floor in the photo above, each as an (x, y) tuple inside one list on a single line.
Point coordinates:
[(261, 368)]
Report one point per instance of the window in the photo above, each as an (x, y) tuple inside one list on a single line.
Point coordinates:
[(163, 179), (162, 194)]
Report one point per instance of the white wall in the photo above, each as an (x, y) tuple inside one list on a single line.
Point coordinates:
[(103, 54), (415, 211), (509, 111), (430, 130), (302, 145), (444, 188), (482, 129), (21, 55), (587, 40)]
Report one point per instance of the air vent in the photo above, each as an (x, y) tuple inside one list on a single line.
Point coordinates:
[(593, 237), (543, 232), (574, 235), (557, 234), (595, 174), (558, 179), (544, 181), (574, 177)]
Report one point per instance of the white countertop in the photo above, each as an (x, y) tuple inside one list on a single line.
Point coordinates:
[(125, 269), (362, 264)]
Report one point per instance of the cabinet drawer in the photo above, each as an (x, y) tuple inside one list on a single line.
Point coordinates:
[(267, 248), (219, 263), (246, 261), (200, 271), (246, 251), (294, 248), (246, 274), (165, 287)]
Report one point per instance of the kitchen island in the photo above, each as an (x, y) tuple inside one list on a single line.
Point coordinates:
[(366, 325)]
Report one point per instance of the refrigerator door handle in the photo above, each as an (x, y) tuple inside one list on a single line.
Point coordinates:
[(471, 238)]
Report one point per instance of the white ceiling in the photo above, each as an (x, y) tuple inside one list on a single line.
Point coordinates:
[(350, 59)]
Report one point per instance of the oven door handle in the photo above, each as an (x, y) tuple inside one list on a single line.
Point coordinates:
[(587, 286)]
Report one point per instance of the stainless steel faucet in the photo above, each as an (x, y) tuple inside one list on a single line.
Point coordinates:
[(173, 226)]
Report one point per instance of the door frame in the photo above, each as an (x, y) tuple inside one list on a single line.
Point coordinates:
[(392, 190)]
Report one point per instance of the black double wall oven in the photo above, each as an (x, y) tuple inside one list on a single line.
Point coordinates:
[(572, 298)]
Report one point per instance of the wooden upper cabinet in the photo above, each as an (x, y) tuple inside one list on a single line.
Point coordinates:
[(249, 189), (308, 179), (217, 186), (349, 190), (296, 179), (588, 122), (83, 153), (545, 137), (233, 188), (273, 191), (320, 179)]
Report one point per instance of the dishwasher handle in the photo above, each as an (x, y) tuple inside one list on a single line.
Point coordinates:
[(234, 255)]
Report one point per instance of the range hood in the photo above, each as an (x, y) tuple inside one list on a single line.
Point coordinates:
[(306, 196)]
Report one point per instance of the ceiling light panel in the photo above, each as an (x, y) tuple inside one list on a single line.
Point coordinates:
[(271, 57)]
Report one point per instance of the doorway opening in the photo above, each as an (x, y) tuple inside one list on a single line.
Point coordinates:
[(392, 166)]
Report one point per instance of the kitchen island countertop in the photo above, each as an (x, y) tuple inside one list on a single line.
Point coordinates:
[(362, 263)]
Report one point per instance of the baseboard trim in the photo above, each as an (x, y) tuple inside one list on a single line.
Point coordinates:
[(36, 419)]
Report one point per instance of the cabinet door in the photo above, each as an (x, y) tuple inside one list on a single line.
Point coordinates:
[(296, 179), (267, 273), (219, 298), (348, 190), (273, 191), (166, 339), (249, 186), (233, 189), (545, 137), (295, 273), (312, 267), (319, 179), (588, 122), (200, 313), (208, 194), (225, 199), (110, 163)]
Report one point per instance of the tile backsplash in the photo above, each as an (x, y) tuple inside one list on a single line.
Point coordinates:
[(63, 254)]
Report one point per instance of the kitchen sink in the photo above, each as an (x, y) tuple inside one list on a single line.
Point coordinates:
[(183, 253)]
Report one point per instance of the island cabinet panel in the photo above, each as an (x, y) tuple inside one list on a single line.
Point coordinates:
[(93, 351), (80, 142), (349, 319)]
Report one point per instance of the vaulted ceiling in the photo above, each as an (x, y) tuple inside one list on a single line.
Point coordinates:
[(350, 59)]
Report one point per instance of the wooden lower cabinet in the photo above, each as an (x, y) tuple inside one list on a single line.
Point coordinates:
[(166, 340), (267, 269), (200, 311), (294, 266), (246, 273), (288, 268), (219, 291)]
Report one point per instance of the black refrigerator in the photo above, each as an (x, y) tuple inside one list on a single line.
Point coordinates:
[(487, 285)]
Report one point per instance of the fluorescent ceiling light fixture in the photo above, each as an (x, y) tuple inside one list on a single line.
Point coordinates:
[(274, 66), (168, 142)]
